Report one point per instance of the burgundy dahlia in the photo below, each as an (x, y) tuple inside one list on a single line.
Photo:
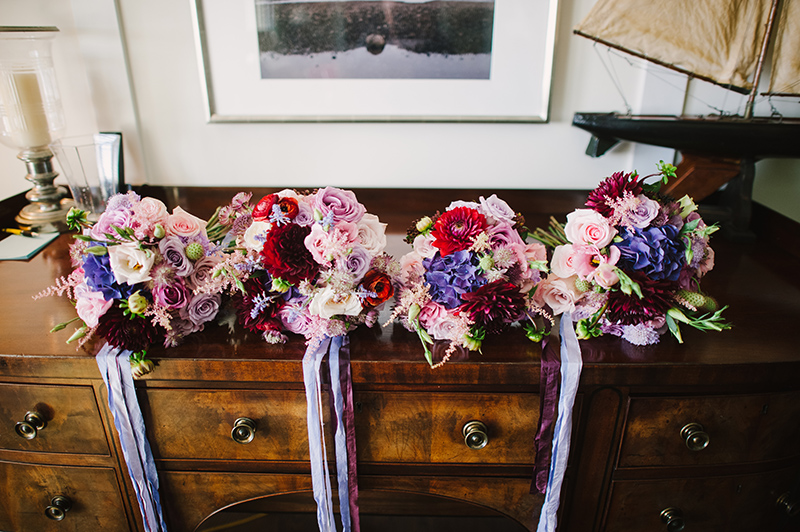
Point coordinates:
[(612, 188), (257, 309), (121, 331), (631, 310), (493, 306), (455, 229), (285, 254)]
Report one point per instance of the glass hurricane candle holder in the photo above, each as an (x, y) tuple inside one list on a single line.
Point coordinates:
[(31, 117)]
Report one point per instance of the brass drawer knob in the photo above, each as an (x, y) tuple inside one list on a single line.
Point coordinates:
[(788, 504), (695, 436), (30, 427), (244, 430), (673, 518), (475, 435), (58, 508)]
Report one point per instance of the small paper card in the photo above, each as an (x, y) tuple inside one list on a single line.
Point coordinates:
[(16, 247)]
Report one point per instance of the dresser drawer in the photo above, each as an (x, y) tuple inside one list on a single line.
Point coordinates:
[(743, 503), (72, 422), (747, 428), (91, 492), (197, 424), (410, 427)]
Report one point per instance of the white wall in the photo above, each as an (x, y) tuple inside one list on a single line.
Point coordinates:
[(179, 147)]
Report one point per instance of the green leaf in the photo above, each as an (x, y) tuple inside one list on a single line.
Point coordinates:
[(674, 329)]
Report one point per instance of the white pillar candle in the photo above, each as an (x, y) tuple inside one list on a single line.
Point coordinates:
[(30, 129)]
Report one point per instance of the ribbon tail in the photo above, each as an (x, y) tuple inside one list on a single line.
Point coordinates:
[(312, 361), (548, 409), (350, 432), (571, 365), (115, 369)]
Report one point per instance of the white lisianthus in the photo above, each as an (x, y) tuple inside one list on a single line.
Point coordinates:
[(255, 235), (130, 264), (372, 233), (327, 304)]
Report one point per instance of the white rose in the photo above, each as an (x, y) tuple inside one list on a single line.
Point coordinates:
[(328, 303), (372, 233), (130, 264), (423, 245), (255, 235), (563, 262)]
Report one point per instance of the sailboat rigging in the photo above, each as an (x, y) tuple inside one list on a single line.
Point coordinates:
[(724, 42)]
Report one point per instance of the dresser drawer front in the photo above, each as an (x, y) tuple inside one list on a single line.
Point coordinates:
[(742, 503), (406, 427), (93, 492), (72, 419), (748, 428), (197, 424)]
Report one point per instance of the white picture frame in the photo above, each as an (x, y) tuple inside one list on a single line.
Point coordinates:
[(518, 88)]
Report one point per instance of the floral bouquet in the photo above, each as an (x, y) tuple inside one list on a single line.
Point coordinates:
[(307, 263), (471, 273), (630, 264), (136, 272)]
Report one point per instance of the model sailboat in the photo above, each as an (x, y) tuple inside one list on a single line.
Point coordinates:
[(721, 41)]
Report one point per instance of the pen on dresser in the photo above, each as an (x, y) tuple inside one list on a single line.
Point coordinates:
[(21, 232)]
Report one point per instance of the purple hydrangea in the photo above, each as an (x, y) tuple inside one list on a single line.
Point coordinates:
[(656, 252), (451, 276), (100, 278)]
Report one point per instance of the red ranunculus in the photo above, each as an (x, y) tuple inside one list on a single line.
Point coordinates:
[(263, 208), (377, 283), (285, 255), (494, 305), (456, 229), (288, 207)]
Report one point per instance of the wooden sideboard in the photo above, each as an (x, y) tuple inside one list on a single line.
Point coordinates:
[(735, 396)]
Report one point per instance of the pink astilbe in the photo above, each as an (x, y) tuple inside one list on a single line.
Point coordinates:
[(64, 285)]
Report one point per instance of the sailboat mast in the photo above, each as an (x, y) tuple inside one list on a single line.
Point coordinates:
[(751, 98)]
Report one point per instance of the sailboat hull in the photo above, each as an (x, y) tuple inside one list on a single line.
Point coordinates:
[(721, 136)]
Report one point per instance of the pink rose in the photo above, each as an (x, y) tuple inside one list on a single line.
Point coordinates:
[(563, 262), (411, 266), (90, 305), (438, 321), (181, 223), (587, 226), (423, 246), (327, 246), (149, 212), (560, 294)]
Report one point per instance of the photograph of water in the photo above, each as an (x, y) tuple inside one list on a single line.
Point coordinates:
[(375, 39)]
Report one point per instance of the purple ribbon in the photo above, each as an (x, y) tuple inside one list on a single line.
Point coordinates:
[(338, 350), (115, 368), (548, 410)]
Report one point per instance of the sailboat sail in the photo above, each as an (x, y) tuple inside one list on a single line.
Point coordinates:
[(713, 40), (785, 79)]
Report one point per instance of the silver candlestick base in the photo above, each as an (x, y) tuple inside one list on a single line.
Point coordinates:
[(49, 203)]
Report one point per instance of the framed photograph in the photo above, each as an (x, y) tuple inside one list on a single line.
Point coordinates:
[(376, 60)]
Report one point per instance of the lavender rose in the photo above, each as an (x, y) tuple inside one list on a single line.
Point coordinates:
[(203, 269), (201, 308), (494, 207), (645, 212), (341, 205), (173, 295), (174, 252), (357, 263)]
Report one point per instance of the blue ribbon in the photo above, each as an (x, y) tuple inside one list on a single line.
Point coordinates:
[(571, 365), (312, 363), (115, 368)]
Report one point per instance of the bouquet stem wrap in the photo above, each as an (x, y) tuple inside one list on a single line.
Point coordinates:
[(571, 365), (116, 371), (338, 349)]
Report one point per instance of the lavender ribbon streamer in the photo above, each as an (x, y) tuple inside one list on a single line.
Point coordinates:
[(344, 438), (571, 365), (548, 409), (115, 369)]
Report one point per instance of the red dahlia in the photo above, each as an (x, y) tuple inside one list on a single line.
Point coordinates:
[(119, 330), (285, 255), (630, 309), (612, 188), (255, 309), (456, 229), (493, 306)]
